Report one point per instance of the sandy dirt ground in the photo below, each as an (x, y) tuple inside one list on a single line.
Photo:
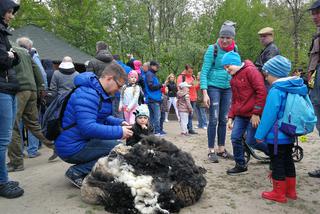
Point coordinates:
[(47, 190)]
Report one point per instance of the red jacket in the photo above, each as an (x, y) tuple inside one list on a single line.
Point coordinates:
[(190, 80), (248, 92)]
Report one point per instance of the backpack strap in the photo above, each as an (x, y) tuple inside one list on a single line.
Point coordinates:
[(215, 52), (63, 108)]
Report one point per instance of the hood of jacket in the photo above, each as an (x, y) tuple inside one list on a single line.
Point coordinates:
[(292, 85), (5, 5), (68, 71), (104, 56), (182, 92), (89, 79)]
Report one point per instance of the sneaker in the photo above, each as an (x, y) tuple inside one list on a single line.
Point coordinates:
[(205, 127), (37, 154), (163, 133), (314, 173), (74, 178), (192, 132), (158, 135), (225, 155), (53, 156), (13, 183), (196, 127), (8, 190), (14, 168), (237, 169), (213, 157), (166, 121)]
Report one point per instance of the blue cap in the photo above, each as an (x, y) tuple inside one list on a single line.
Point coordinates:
[(315, 5), (277, 66), (231, 58)]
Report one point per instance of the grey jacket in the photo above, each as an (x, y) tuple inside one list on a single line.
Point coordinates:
[(97, 65), (62, 81), (314, 61), (267, 53)]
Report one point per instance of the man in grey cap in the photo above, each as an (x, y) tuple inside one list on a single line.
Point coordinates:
[(270, 49), (314, 69)]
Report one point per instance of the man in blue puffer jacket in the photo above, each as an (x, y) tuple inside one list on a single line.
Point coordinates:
[(94, 130)]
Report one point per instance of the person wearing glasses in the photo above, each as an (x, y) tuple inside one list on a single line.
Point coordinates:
[(92, 130)]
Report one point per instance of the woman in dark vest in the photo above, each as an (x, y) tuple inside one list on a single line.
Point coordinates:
[(8, 88)]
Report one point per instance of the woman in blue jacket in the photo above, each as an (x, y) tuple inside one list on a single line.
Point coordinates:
[(215, 86)]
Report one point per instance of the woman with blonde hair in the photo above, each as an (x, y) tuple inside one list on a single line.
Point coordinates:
[(172, 94)]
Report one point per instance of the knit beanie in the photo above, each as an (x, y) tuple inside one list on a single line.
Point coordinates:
[(231, 58), (133, 73), (277, 66), (137, 64), (228, 29), (142, 110)]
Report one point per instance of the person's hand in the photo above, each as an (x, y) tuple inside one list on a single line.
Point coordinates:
[(125, 123), (126, 132), (144, 126), (10, 54), (42, 94), (259, 141), (206, 100), (255, 120), (230, 123)]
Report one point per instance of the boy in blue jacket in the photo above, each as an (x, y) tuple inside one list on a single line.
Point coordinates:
[(280, 145)]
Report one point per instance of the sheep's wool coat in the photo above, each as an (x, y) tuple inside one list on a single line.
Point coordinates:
[(153, 176)]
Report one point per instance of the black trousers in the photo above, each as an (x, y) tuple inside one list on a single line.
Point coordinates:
[(282, 164)]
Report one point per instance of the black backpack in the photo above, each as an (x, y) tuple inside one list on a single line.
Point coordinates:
[(52, 119)]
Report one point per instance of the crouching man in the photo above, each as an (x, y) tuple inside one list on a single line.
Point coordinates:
[(91, 131)]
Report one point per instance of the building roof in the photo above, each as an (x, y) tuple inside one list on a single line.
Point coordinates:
[(48, 45)]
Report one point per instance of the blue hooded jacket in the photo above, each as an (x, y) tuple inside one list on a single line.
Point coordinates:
[(274, 108), (90, 108)]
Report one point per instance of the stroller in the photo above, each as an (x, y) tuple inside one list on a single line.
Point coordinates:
[(297, 152)]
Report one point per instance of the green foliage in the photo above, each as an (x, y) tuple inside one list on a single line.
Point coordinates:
[(174, 32)]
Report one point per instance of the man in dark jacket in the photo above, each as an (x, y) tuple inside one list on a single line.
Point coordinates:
[(270, 49), (93, 130), (31, 82), (153, 96), (102, 59), (8, 88), (314, 70)]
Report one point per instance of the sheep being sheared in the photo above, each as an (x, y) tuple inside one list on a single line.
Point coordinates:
[(153, 176)]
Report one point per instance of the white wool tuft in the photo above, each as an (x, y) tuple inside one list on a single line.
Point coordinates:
[(145, 197)]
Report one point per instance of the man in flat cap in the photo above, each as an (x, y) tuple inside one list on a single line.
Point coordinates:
[(270, 49), (314, 69)]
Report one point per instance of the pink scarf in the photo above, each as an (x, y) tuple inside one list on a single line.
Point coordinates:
[(229, 48)]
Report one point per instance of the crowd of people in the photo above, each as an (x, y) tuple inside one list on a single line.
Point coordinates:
[(113, 102)]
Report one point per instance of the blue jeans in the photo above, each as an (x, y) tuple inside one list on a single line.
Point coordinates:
[(8, 109), (162, 117), (89, 155), (190, 127), (243, 125), (33, 142), (154, 109), (202, 116), (220, 100), (317, 113)]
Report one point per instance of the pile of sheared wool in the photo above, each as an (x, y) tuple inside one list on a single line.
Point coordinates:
[(153, 176)]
